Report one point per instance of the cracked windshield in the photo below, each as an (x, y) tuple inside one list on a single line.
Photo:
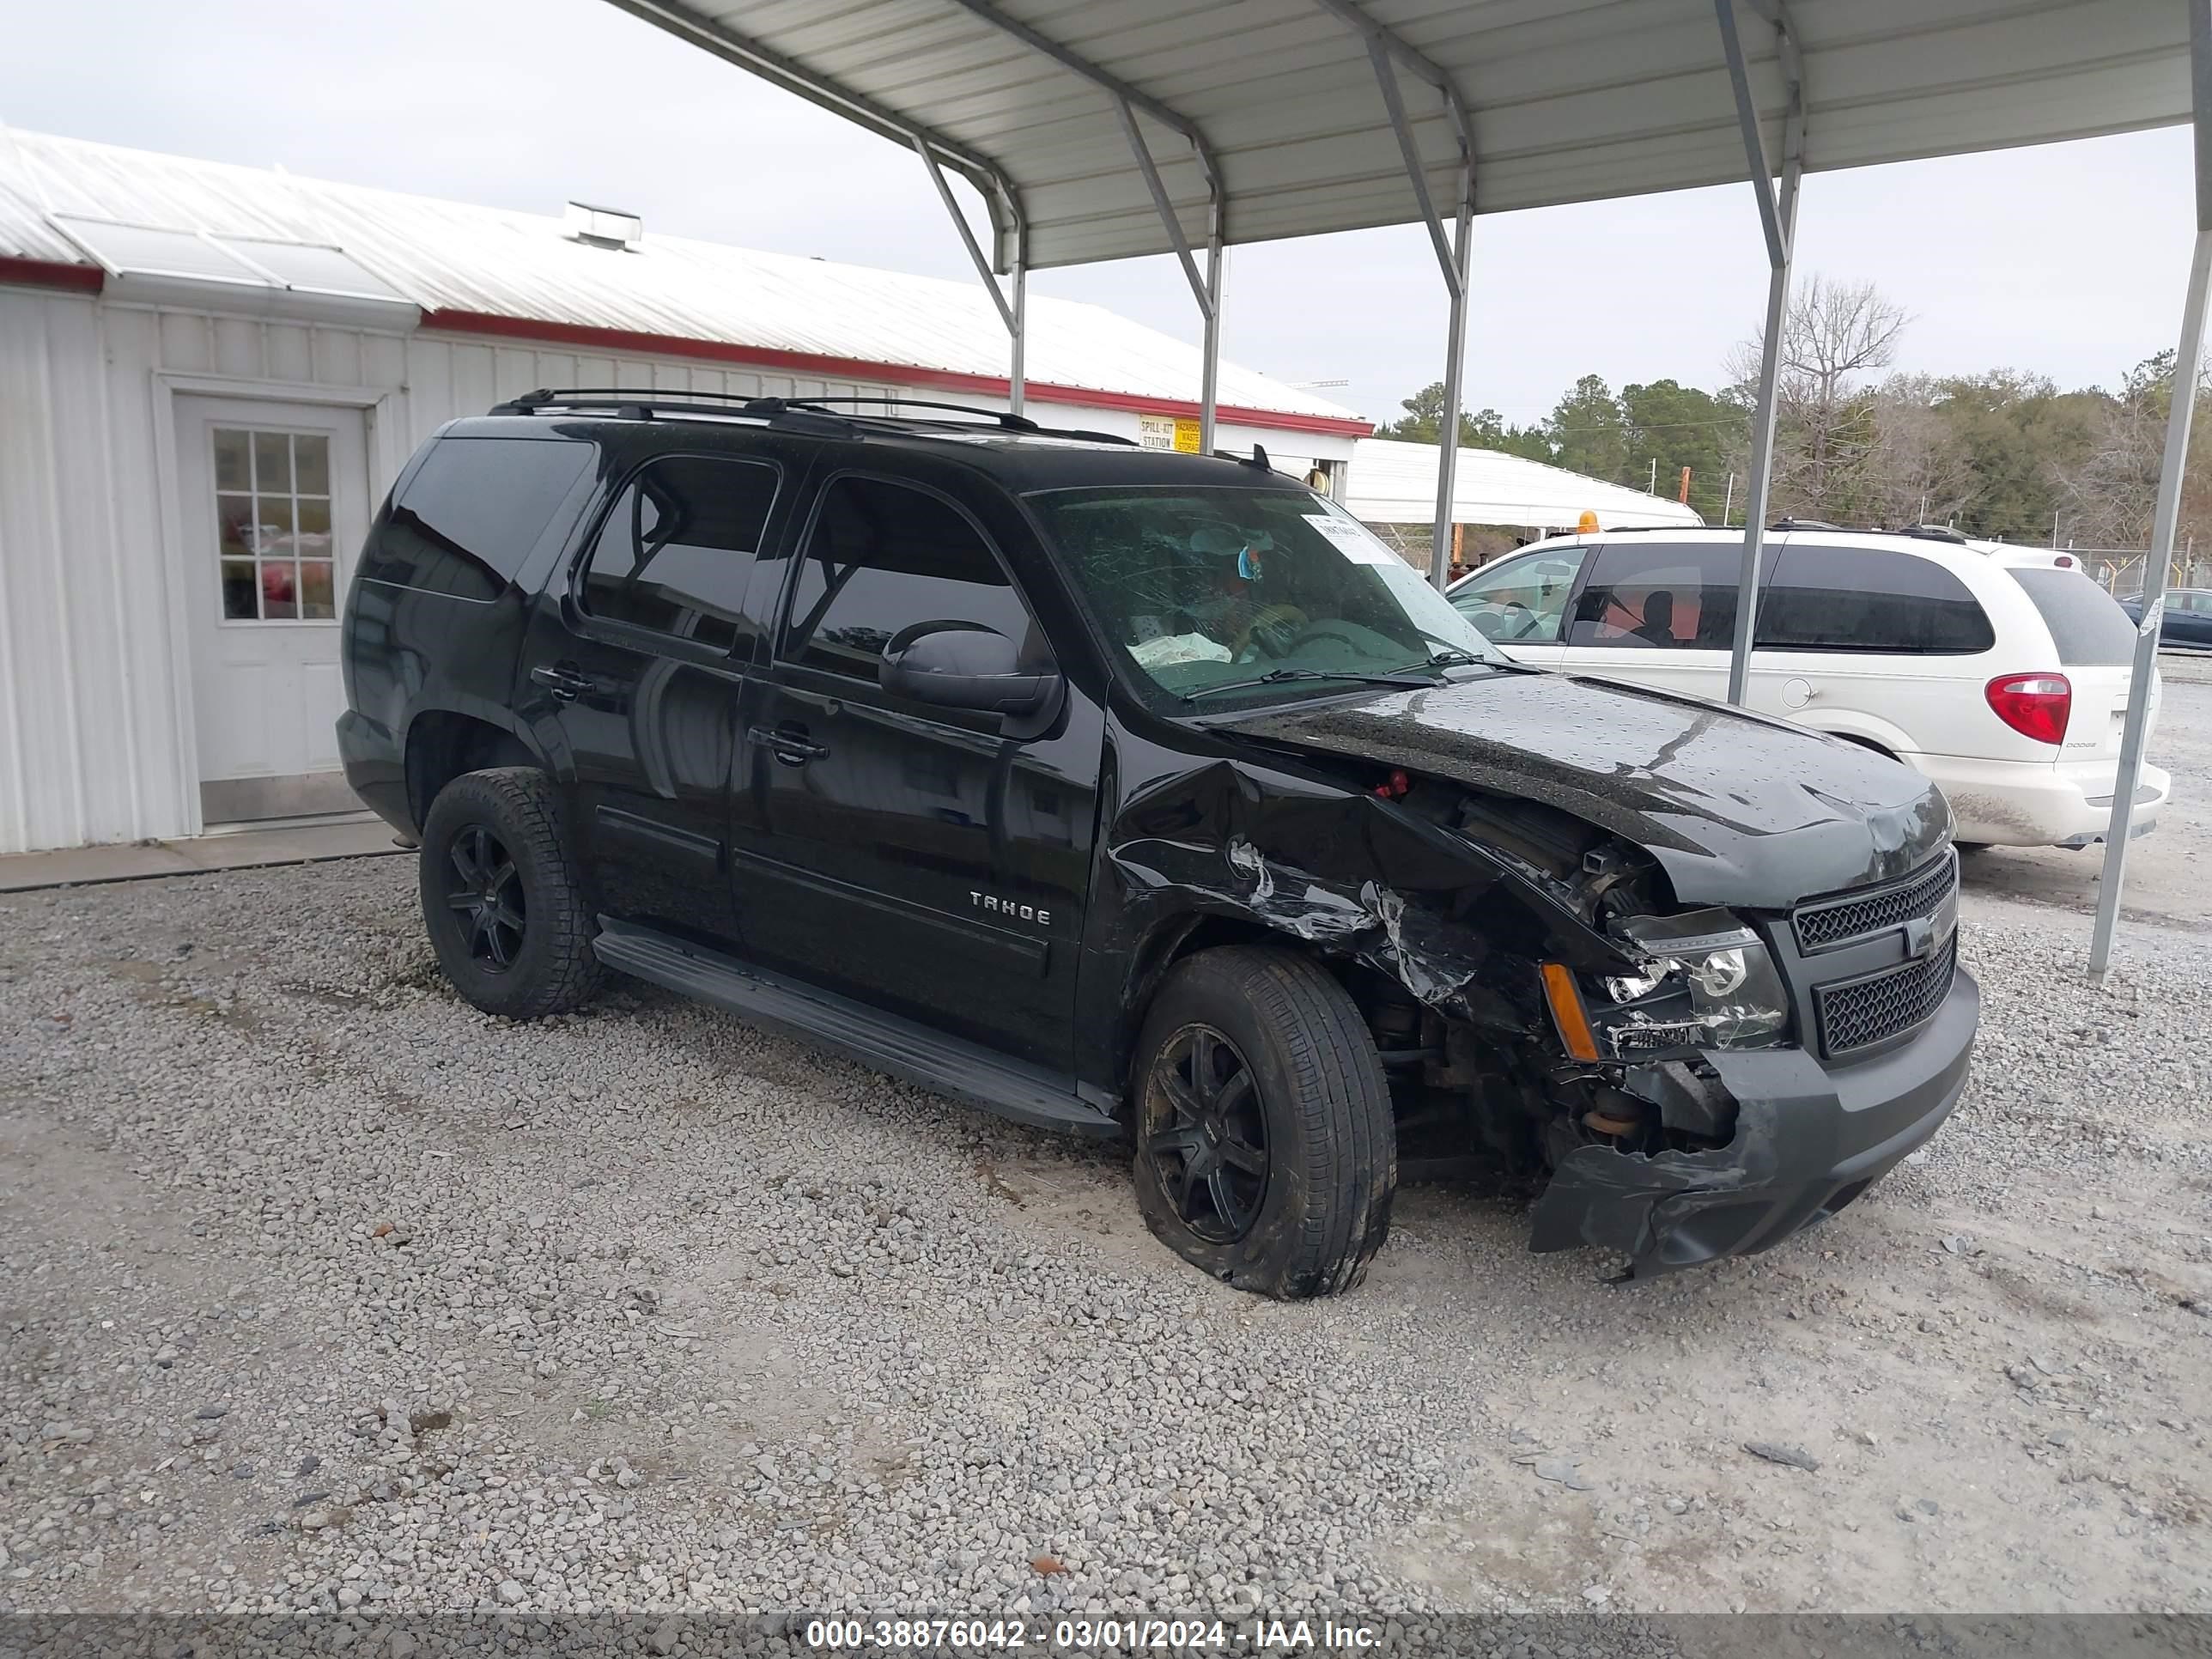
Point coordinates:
[(1237, 597)]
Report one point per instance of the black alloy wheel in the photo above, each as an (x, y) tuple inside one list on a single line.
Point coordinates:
[(1207, 1134), (484, 893), (506, 907), (1266, 1151)]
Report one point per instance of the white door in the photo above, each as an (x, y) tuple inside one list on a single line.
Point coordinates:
[(274, 497)]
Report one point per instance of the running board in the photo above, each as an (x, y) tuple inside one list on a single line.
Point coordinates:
[(905, 1049)]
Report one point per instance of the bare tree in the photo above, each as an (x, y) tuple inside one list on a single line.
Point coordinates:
[(1825, 427), (1916, 470), (2110, 491)]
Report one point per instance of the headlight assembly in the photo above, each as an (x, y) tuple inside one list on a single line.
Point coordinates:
[(1707, 982)]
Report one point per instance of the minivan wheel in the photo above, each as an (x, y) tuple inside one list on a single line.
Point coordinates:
[(1266, 1152), (501, 900)]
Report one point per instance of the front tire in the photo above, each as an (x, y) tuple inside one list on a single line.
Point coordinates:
[(502, 900), (1266, 1151)]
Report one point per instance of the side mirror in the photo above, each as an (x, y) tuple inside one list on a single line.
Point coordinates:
[(960, 664)]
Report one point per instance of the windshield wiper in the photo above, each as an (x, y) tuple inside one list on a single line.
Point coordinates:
[(1283, 676), (1453, 657)]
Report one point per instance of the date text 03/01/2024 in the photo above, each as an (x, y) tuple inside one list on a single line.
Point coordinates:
[(1111, 1635)]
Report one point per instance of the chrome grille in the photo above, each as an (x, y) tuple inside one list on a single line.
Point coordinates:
[(1885, 1004), (1837, 921)]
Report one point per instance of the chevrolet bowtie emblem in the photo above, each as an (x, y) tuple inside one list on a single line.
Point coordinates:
[(1924, 935)]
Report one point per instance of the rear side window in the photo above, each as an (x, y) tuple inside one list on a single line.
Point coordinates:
[(677, 548), (471, 513), (883, 556), (1666, 596), (1871, 599), (2086, 623)]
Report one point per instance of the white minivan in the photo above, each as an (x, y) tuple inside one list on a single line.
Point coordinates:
[(2000, 673)]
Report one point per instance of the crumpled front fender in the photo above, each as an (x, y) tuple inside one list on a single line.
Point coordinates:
[(1457, 926)]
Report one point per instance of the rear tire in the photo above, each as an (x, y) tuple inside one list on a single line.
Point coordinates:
[(502, 900), (1266, 1151)]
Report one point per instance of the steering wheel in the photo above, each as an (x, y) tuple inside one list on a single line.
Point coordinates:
[(1321, 631), (1260, 635), (1527, 617)]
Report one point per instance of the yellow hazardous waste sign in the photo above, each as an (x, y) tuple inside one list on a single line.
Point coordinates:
[(1167, 432)]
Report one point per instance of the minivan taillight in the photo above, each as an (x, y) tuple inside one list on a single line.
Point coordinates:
[(2035, 705)]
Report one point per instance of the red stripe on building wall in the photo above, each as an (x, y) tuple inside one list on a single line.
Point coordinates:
[(852, 368), (49, 273)]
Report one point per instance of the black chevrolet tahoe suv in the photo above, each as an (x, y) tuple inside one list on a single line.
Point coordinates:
[(1141, 794)]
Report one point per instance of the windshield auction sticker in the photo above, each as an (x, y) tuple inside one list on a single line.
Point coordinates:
[(1355, 542)]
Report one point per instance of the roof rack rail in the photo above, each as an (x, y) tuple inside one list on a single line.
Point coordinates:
[(1011, 423), (1933, 532), (597, 397), (636, 403), (1803, 524), (815, 414)]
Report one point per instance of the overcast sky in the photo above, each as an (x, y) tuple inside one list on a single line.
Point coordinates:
[(2067, 259)]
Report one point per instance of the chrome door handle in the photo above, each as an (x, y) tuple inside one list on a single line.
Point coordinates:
[(565, 683), (789, 744)]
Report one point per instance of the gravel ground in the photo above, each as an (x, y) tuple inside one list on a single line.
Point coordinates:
[(320, 1290)]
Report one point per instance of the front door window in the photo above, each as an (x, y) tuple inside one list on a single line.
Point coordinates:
[(273, 525), (1523, 601)]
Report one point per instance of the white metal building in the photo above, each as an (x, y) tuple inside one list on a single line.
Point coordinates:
[(210, 374), (1395, 483)]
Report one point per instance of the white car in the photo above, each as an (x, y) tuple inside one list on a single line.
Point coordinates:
[(2000, 673)]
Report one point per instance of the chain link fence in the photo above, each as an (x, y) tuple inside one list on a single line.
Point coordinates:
[(2119, 571)]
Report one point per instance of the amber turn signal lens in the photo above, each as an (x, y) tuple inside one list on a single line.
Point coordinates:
[(1567, 1011)]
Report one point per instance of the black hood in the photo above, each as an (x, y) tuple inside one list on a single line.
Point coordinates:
[(1738, 809)]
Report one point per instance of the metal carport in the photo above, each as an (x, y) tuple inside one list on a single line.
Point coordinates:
[(1107, 129)]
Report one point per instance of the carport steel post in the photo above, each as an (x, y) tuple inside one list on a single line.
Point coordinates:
[(2187, 363), (1454, 254), (1778, 217)]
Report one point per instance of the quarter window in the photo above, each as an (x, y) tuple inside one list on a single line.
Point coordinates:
[(2085, 622), (882, 557), (473, 512), (1870, 599), (677, 548), (272, 507), (1664, 596)]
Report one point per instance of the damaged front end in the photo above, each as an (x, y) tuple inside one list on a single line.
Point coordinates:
[(1541, 1002)]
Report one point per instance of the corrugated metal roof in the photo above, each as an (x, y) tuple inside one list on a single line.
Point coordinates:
[(1572, 99), (1394, 482), (450, 256)]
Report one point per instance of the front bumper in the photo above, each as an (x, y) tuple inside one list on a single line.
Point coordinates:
[(1809, 1139)]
